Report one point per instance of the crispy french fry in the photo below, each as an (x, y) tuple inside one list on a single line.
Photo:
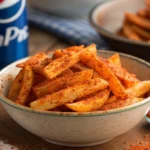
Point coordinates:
[(115, 60), (121, 103), (141, 32), (129, 33), (91, 103), (92, 49), (147, 2), (60, 52), (93, 62), (16, 85), (61, 64), (127, 78), (51, 86), (138, 90), (69, 94), (33, 60), (72, 49), (142, 13), (66, 61), (26, 86), (140, 21)]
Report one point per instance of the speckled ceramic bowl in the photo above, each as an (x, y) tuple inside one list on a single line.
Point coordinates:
[(78, 129)]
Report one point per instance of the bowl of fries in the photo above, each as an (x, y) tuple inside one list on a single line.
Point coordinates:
[(75, 92), (124, 25)]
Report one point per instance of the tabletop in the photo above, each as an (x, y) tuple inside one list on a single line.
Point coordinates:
[(12, 133)]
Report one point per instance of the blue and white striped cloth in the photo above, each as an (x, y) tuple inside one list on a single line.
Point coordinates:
[(74, 31)]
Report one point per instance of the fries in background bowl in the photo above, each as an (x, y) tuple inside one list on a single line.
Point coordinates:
[(137, 26), (78, 79)]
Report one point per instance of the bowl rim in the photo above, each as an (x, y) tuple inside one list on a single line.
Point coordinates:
[(107, 33), (5, 100)]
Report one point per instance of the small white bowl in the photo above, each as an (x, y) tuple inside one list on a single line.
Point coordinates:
[(78, 129)]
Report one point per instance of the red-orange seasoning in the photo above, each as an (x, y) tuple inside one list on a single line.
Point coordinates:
[(140, 147), (145, 145)]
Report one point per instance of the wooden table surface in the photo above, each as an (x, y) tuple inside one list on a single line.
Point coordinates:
[(13, 134)]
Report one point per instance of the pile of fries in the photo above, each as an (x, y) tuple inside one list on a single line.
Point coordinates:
[(76, 79), (137, 26)]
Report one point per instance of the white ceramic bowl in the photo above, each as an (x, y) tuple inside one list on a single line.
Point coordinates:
[(108, 18), (77, 129), (65, 8)]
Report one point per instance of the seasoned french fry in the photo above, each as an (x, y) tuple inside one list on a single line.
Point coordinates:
[(16, 85), (66, 61), (115, 60), (34, 60), (91, 103), (129, 33), (121, 103), (93, 62), (92, 49), (59, 53), (140, 21), (61, 64), (142, 13), (51, 86), (72, 49), (141, 32), (137, 90), (127, 78), (26, 86), (69, 94)]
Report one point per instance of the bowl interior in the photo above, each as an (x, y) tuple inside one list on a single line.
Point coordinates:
[(110, 15), (133, 64)]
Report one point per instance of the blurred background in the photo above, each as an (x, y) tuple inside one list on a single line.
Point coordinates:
[(122, 26), (65, 23)]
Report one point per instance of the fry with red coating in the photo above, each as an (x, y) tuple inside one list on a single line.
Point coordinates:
[(27, 83), (90, 104), (98, 65), (139, 21), (54, 85), (69, 94), (16, 85)]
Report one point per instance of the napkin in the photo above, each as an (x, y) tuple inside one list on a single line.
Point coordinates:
[(75, 31)]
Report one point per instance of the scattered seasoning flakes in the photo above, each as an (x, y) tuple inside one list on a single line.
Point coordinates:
[(4, 146), (141, 145)]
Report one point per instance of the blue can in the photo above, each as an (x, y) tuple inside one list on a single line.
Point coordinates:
[(13, 31)]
